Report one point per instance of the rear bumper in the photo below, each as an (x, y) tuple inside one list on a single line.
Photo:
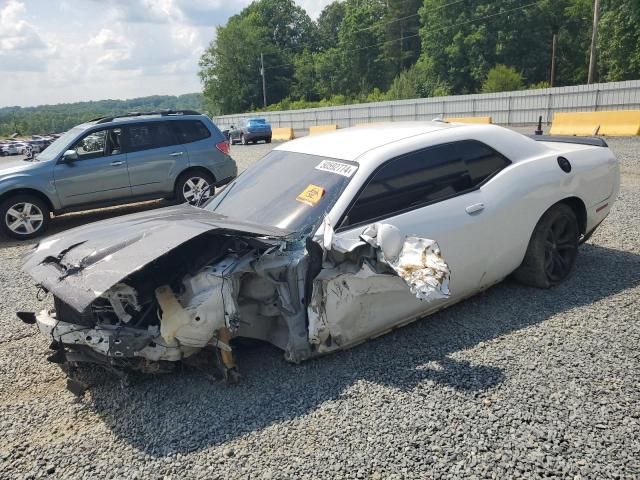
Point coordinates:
[(250, 136)]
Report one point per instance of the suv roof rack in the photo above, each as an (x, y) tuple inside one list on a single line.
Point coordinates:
[(163, 113)]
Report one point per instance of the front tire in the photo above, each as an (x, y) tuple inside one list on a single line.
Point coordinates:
[(194, 187), (23, 217), (553, 248)]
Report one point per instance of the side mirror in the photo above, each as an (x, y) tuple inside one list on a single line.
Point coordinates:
[(70, 156), (390, 240)]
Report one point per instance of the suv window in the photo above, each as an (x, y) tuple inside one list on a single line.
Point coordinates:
[(188, 131), (91, 146), (145, 136), (424, 177), (100, 143)]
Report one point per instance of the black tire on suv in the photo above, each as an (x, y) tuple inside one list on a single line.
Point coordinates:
[(24, 216)]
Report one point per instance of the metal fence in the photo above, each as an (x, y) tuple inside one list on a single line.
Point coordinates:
[(505, 108)]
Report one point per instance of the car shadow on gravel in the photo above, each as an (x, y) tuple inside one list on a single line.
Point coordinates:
[(184, 412)]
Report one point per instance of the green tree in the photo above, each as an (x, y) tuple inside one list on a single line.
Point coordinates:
[(329, 23), (362, 42), (502, 79), (230, 67), (45, 119), (462, 41), (402, 24), (619, 40)]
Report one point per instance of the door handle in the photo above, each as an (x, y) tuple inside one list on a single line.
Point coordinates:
[(475, 208), (176, 154), (116, 163)]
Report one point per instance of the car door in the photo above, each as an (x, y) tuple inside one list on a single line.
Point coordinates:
[(100, 172), (430, 194), (154, 158)]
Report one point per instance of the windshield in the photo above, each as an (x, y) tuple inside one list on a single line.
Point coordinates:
[(288, 190), (57, 147)]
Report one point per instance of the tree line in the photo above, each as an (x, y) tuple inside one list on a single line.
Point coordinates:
[(372, 50), (45, 119)]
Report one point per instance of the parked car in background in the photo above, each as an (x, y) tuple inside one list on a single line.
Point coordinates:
[(252, 131), (9, 149), (115, 160)]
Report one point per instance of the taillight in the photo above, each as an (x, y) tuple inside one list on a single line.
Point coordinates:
[(223, 147)]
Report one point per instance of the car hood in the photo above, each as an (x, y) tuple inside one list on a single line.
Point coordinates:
[(79, 265), (17, 166)]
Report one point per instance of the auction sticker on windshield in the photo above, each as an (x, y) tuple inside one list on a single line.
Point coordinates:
[(311, 195), (340, 168)]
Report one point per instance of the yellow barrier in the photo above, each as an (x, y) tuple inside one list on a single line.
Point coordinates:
[(617, 123), (322, 128), (282, 134), (468, 120)]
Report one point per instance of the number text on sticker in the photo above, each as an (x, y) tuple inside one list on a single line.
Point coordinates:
[(343, 169)]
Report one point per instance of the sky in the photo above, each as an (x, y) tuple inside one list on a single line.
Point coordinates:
[(59, 51)]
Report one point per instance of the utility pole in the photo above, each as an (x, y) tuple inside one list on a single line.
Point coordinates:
[(552, 80), (264, 84), (594, 39)]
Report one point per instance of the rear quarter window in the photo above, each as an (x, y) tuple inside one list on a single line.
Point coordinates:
[(188, 131), (146, 136), (482, 161)]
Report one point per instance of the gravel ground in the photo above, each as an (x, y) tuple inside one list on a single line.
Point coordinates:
[(515, 382)]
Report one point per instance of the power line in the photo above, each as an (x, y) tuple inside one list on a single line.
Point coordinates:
[(388, 22), (408, 16), (430, 30)]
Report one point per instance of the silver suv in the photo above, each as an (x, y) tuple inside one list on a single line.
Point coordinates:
[(115, 160)]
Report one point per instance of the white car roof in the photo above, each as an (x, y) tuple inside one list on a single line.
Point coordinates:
[(353, 143)]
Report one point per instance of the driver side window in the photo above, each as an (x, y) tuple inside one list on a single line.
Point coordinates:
[(91, 146), (101, 143), (410, 181), (424, 177)]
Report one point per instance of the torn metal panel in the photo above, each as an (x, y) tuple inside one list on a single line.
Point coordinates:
[(421, 265), (349, 308), (350, 303), (416, 260)]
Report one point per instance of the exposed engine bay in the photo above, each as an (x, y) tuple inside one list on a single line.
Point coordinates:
[(306, 296)]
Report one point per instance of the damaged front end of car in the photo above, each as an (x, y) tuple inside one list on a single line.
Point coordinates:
[(127, 300)]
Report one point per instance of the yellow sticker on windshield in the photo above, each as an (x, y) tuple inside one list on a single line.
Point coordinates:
[(311, 195)]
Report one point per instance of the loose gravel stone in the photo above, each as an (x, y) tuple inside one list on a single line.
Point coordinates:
[(512, 383)]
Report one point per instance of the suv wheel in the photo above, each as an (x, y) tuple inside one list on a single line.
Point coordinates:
[(24, 217), (194, 187)]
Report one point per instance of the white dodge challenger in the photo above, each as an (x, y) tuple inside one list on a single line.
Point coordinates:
[(325, 242)]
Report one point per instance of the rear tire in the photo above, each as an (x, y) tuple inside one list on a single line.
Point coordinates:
[(24, 216), (268, 140), (552, 250)]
